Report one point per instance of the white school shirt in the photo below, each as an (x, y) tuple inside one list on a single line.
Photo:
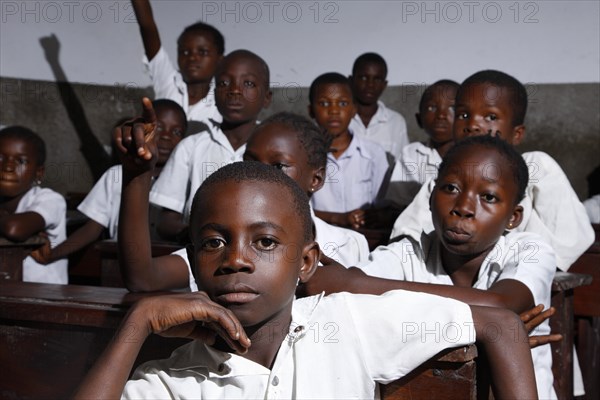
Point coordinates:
[(551, 209), (168, 84), (521, 256), (53, 208), (592, 207), (345, 246), (192, 161), (337, 347), (417, 164), (354, 180), (386, 128), (102, 203)]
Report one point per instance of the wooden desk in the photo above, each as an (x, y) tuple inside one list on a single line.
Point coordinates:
[(586, 306), (563, 322), (110, 274), (50, 336), (12, 255), (450, 375)]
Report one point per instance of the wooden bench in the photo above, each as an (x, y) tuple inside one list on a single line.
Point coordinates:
[(12, 255), (50, 335)]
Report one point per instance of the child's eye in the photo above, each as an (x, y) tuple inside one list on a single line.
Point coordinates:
[(492, 117), (431, 108), (184, 52), (23, 161), (489, 198), (323, 104), (450, 188), (266, 244), (212, 244), (249, 84), (462, 115), (177, 132), (223, 83), (343, 103), (280, 166)]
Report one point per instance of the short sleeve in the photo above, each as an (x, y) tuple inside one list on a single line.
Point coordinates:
[(51, 206), (162, 74), (98, 204)]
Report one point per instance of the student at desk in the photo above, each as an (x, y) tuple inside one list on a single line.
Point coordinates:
[(26, 208)]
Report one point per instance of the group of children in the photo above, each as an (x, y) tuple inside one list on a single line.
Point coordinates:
[(481, 225)]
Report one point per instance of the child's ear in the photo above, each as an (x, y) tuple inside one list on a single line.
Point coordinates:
[(518, 134), (515, 218), (268, 98), (318, 179), (418, 118), (191, 255), (310, 261), (39, 173)]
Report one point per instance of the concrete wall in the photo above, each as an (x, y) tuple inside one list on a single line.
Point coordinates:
[(563, 120)]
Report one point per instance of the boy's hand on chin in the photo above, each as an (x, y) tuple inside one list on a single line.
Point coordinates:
[(193, 316)]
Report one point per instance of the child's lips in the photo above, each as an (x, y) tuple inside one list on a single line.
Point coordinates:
[(238, 293), (456, 235)]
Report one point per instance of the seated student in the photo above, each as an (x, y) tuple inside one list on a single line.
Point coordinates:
[(373, 120), (242, 91), (252, 243), (101, 205), (296, 146), (356, 167), (418, 162), (200, 48), (26, 208), (289, 142), (475, 200), (492, 102)]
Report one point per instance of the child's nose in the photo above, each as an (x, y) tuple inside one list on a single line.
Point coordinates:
[(464, 206), (237, 258)]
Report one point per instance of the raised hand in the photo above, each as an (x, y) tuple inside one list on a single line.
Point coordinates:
[(135, 143), (51, 47)]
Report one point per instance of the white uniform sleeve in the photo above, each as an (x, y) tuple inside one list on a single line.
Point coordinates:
[(183, 254), (162, 73), (416, 217), (97, 205), (170, 189), (51, 206), (553, 210), (391, 261), (400, 330)]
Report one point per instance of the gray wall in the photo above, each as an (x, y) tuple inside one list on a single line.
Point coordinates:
[(563, 120)]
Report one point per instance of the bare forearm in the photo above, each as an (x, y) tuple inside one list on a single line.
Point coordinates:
[(502, 336), (19, 227), (148, 29), (107, 378), (82, 237), (135, 251)]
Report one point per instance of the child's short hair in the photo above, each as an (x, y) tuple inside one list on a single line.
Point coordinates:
[(314, 142), (26, 134), (427, 92), (329, 78), (170, 104), (201, 27), (520, 172), (248, 54), (258, 172), (369, 58), (518, 93)]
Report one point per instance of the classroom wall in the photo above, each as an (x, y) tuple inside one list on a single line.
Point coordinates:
[(551, 46)]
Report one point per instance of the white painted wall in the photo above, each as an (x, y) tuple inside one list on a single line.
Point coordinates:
[(537, 41)]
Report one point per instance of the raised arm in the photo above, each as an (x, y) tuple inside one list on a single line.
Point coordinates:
[(173, 316), (141, 272), (148, 29)]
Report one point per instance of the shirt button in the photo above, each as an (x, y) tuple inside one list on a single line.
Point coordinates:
[(275, 381)]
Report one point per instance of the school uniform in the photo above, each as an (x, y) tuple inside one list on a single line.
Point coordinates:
[(53, 208), (192, 161), (354, 180), (338, 346), (592, 207), (386, 128), (168, 83), (416, 165), (551, 209), (522, 256)]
